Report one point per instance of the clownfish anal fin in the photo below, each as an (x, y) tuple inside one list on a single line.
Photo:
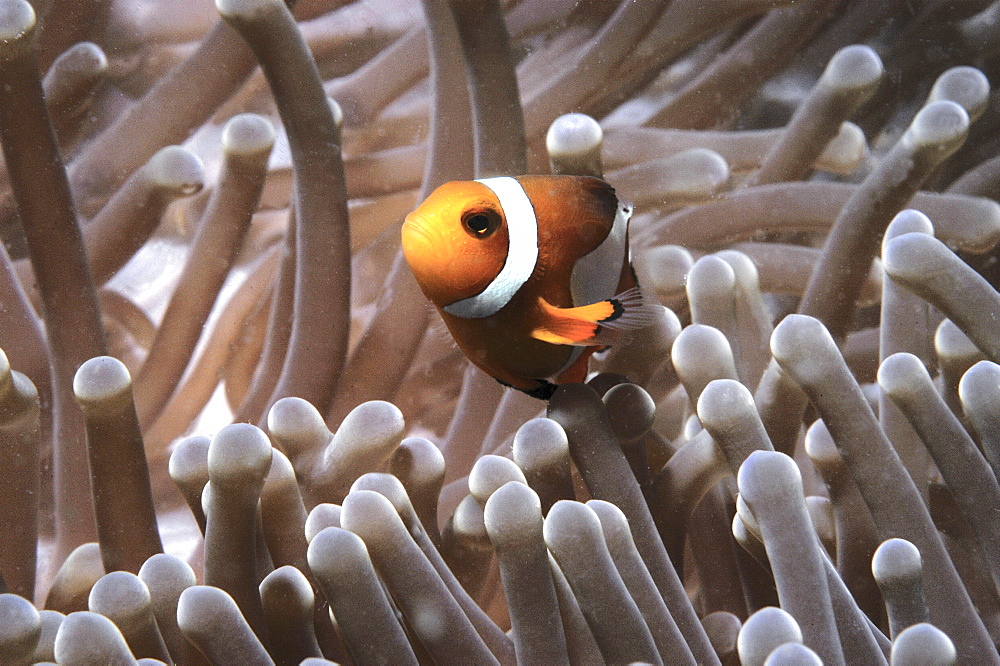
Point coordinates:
[(596, 324)]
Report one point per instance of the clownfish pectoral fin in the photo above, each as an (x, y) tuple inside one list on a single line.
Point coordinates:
[(596, 324)]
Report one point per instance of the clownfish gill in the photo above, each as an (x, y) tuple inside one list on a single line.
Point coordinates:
[(531, 274)]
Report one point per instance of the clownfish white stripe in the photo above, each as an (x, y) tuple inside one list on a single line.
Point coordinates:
[(595, 274), (574, 356), (522, 252)]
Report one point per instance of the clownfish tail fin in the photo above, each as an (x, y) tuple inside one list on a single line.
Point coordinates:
[(597, 324)]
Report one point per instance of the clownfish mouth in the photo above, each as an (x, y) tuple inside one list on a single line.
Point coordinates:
[(416, 239), (424, 249), (415, 225)]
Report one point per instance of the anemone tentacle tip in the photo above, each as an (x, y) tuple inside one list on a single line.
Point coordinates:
[(100, 378), (17, 18)]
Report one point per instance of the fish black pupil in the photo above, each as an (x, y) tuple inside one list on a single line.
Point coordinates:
[(479, 224)]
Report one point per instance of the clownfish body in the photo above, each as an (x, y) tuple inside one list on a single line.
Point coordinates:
[(531, 274)]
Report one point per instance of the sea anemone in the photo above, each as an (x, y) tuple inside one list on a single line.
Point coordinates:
[(232, 429)]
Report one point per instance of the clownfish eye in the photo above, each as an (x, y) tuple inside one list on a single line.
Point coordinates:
[(481, 224)]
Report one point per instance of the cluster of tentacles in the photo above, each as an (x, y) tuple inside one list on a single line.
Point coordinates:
[(202, 291)]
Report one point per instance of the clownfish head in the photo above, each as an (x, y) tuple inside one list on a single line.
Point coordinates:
[(456, 242)]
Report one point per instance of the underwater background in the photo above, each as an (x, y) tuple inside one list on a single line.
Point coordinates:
[(233, 430)]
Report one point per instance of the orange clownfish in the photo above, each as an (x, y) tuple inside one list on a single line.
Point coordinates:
[(531, 274)]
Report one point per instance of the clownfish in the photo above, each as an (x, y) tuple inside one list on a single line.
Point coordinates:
[(531, 274)]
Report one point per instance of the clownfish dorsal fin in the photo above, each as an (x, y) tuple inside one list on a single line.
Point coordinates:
[(599, 323), (599, 196)]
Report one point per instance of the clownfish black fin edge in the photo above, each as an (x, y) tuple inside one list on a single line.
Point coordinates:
[(632, 312), (543, 391)]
